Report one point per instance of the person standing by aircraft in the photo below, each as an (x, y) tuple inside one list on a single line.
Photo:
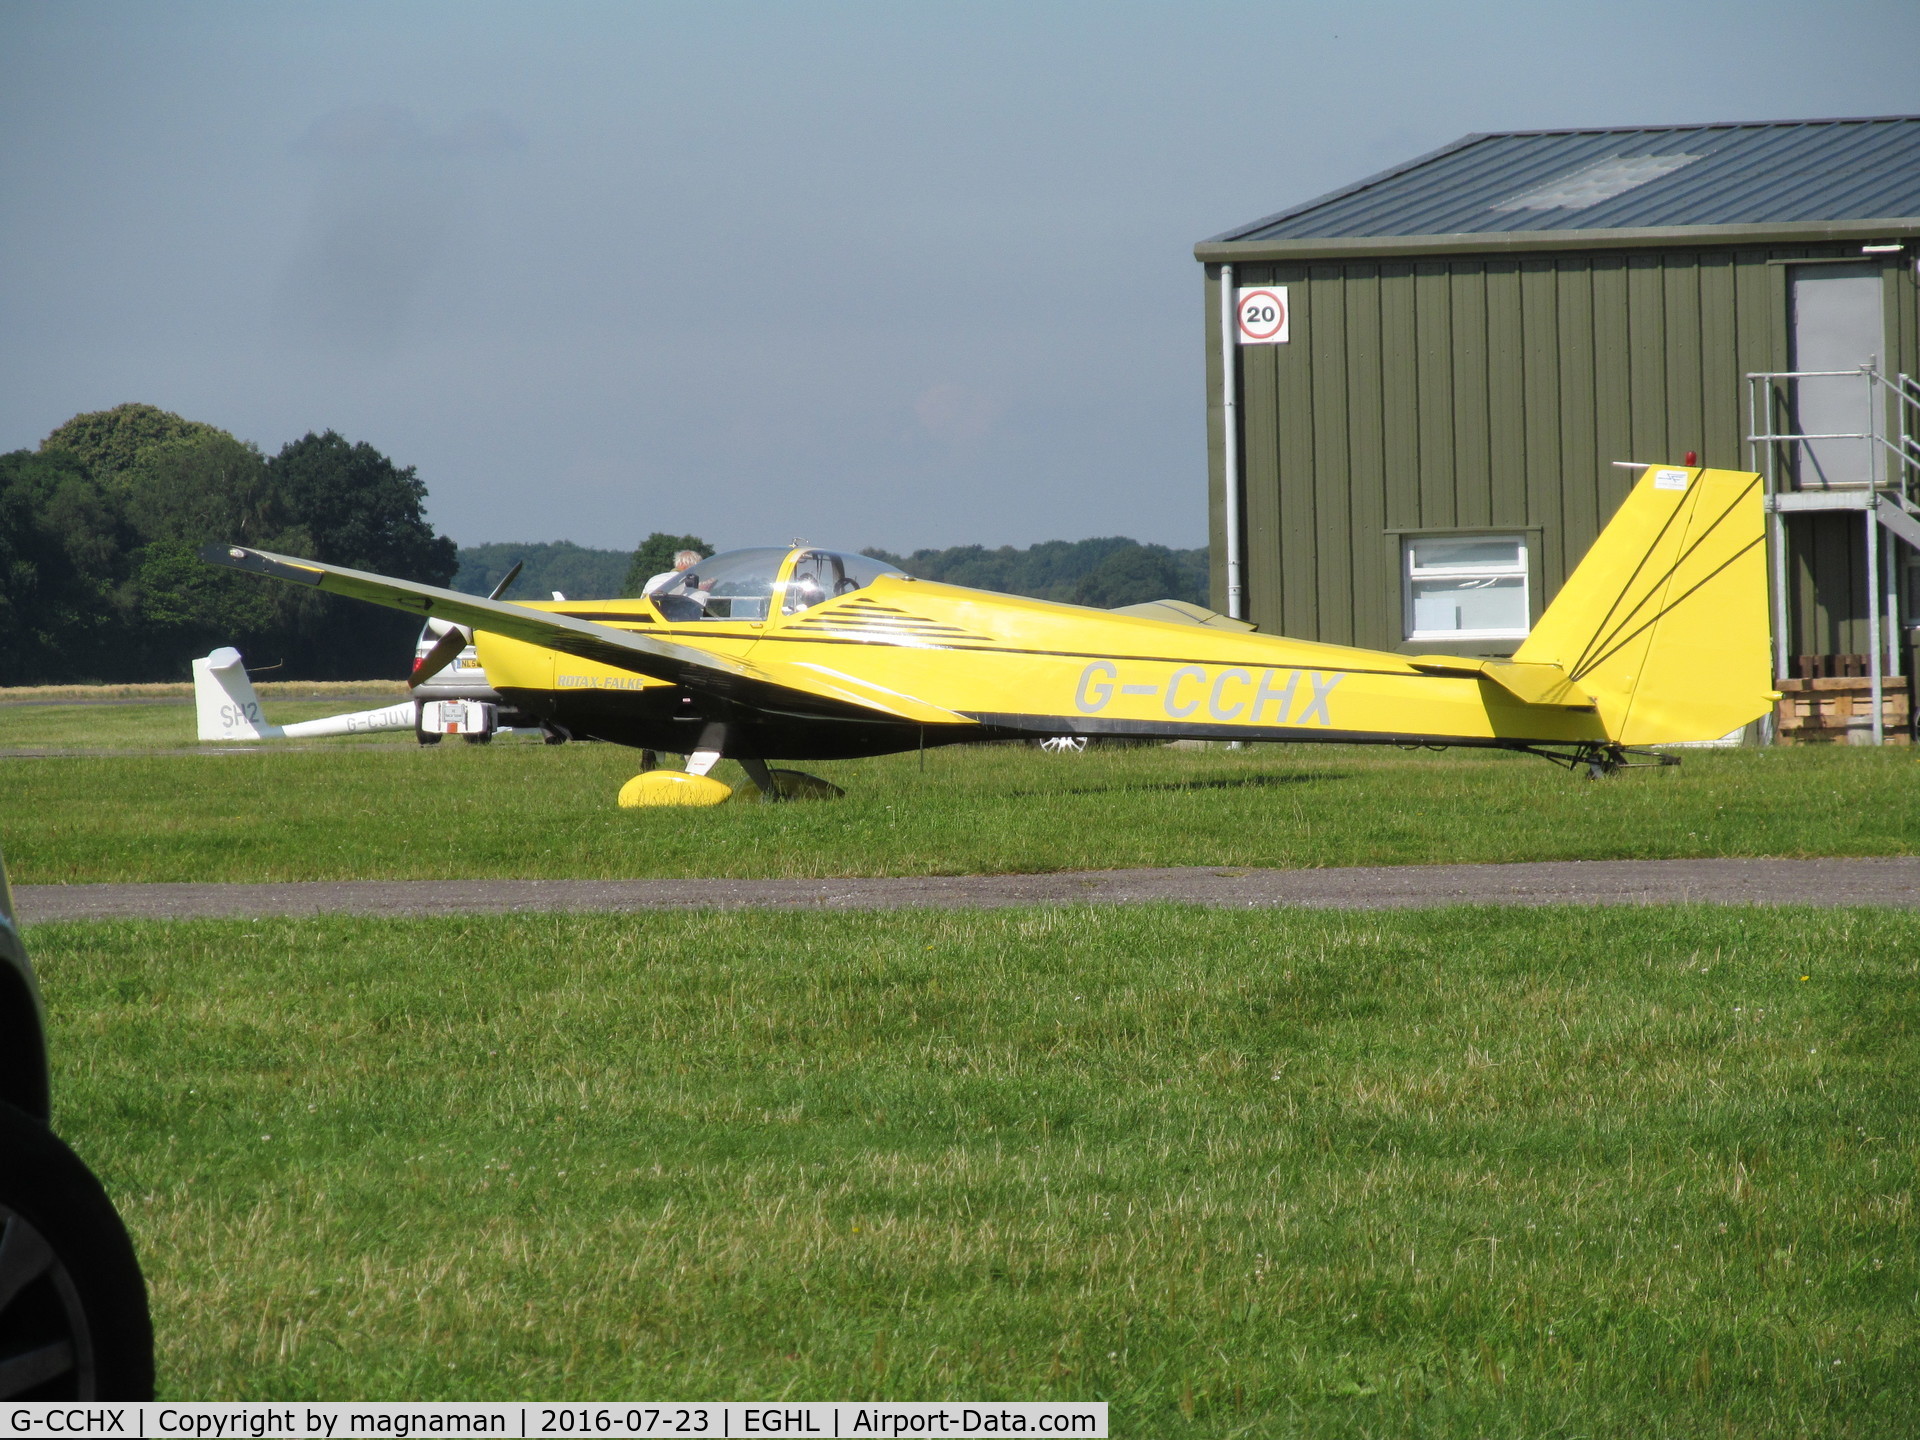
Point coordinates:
[(683, 561), (678, 593)]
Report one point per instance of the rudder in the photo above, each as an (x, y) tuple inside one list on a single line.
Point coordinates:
[(224, 702), (1664, 621)]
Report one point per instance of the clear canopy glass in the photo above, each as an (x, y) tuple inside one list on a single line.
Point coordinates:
[(739, 584), (822, 574)]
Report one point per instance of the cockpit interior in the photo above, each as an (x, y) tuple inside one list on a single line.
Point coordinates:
[(752, 585)]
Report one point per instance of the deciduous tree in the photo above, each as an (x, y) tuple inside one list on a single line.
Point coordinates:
[(100, 532), (62, 555), (353, 506), (110, 442)]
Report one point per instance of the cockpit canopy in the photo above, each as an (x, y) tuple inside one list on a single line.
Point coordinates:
[(754, 584)]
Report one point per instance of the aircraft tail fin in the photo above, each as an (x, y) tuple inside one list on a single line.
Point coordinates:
[(228, 709), (224, 701), (1664, 622)]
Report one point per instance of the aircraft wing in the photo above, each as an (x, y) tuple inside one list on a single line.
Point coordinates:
[(778, 685)]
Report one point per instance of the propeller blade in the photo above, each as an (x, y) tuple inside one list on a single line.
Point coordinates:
[(443, 654), (449, 645), (506, 580)]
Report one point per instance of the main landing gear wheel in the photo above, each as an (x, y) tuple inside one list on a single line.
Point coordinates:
[(672, 787), (677, 787), (73, 1308), (695, 786)]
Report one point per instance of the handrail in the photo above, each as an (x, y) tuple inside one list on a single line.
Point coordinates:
[(1773, 389), (1903, 447), (1810, 374)]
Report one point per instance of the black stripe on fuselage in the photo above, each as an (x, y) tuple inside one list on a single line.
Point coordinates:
[(1044, 725)]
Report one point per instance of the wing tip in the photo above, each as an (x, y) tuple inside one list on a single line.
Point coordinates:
[(258, 562)]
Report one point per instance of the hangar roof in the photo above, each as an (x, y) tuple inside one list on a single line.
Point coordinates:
[(1764, 174)]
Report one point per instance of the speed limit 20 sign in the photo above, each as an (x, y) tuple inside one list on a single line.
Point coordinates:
[(1262, 316)]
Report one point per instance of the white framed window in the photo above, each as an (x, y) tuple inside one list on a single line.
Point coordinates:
[(1465, 587)]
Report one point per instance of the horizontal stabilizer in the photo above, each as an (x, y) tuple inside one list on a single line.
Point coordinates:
[(1533, 684)]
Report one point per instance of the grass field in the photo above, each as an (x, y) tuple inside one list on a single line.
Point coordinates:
[(157, 809), (115, 727), (1463, 1173), (176, 690)]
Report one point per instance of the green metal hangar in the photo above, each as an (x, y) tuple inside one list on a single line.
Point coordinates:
[(1420, 384)]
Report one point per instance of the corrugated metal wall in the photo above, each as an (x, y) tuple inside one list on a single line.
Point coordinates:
[(1491, 392)]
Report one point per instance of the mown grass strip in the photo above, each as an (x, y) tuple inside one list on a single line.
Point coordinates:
[(1473, 1173), (277, 690), (395, 811)]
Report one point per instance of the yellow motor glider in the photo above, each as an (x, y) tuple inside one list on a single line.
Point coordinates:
[(1660, 635)]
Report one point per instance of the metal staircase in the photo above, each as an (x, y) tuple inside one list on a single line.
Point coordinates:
[(1886, 494)]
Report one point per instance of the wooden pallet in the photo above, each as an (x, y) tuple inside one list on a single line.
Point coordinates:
[(1830, 702)]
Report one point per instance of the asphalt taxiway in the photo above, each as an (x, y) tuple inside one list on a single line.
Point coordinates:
[(1891, 882)]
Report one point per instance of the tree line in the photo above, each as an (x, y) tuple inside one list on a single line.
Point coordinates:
[(100, 529), (1103, 572), (579, 572), (101, 580)]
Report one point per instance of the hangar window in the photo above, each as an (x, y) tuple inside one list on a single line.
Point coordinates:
[(1466, 587)]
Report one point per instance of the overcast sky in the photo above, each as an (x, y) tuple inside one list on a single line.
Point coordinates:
[(868, 274)]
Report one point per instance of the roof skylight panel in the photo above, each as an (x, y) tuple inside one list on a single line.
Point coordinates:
[(1590, 184)]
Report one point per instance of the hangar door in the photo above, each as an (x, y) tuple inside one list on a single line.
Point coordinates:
[(1836, 325)]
